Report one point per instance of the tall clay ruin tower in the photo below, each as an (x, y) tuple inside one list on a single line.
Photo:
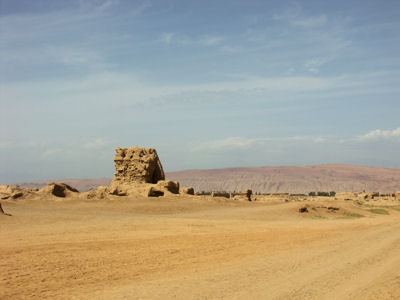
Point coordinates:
[(139, 171), (137, 165)]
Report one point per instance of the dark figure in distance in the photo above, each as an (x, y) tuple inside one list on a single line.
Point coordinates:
[(248, 194)]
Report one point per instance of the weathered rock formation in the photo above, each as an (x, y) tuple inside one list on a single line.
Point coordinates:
[(246, 195), (139, 171), (187, 190), (58, 190), (134, 167), (137, 164), (99, 193), (368, 196), (14, 192), (169, 186)]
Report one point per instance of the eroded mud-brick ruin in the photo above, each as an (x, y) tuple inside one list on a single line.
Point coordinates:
[(137, 164), (139, 171)]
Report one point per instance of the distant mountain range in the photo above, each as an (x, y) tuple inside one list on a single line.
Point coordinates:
[(292, 179), (299, 179)]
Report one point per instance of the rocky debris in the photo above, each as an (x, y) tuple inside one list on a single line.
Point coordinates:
[(154, 192), (187, 191), (58, 190), (146, 190), (162, 188), (16, 195), (332, 208), (246, 195), (397, 195), (368, 196), (320, 209), (117, 191), (13, 192), (303, 209), (99, 193), (363, 195), (7, 191), (169, 186), (374, 195)]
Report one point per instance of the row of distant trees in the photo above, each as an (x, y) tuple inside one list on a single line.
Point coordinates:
[(325, 194), (312, 194)]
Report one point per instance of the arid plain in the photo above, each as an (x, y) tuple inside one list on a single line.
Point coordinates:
[(199, 247), (144, 237)]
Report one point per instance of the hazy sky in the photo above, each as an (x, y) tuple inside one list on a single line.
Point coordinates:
[(209, 84)]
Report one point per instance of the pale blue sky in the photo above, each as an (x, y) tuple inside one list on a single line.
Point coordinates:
[(209, 84)]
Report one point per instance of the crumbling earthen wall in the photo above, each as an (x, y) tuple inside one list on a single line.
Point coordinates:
[(137, 165), (134, 168)]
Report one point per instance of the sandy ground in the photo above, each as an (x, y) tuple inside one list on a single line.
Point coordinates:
[(198, 248)]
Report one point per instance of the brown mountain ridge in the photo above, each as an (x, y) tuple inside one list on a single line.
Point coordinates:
[(269, 179), (293, 179)]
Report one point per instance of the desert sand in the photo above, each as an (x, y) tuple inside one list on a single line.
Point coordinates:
[(198, 247)]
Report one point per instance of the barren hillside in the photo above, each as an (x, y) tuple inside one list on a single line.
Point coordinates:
[(339, 178)]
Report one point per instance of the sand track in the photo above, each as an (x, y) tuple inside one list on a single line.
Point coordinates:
[(203, 249)]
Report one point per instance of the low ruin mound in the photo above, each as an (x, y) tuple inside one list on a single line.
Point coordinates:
[(58, 190), (13, 192)]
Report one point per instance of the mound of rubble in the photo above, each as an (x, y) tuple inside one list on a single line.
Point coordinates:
[(53, 189), (58, 190), (14, 192)]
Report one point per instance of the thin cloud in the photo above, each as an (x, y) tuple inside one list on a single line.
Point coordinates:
[(51, 153), (230, 142), (129, 89), (314, 21), (313, 65), (207, 40), (210, 40), (95, 143), (231, 49), (295, 16), (107, 5), (167, 37), (242, 143), (379, 134)]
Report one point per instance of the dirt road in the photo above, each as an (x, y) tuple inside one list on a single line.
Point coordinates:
[(196, 248)]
